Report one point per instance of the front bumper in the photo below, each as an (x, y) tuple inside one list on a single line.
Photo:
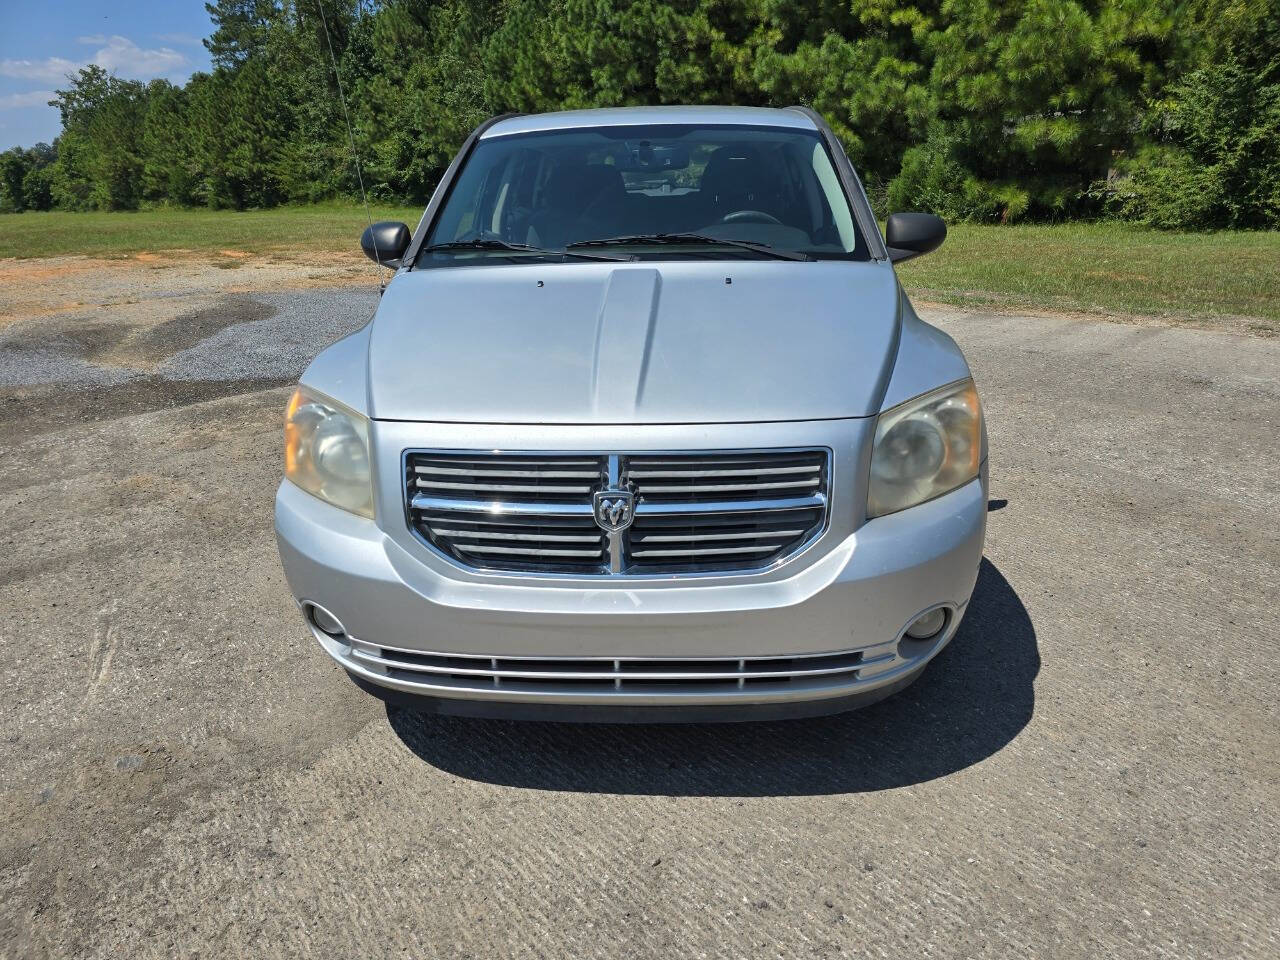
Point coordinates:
[(827, 638)]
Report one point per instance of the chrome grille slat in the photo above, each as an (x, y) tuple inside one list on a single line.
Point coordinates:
[(512, 472), (759, 471), (763, 658), (516, 521), (691, 537), (815, 501), (488, 461), (507, 535), (692, 512), (705, 551), (505, 487), (769, 458), (502, 508), (704, 488), (526, 551)]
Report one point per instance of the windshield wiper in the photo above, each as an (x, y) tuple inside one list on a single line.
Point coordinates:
[(491, 243), (691, 239)]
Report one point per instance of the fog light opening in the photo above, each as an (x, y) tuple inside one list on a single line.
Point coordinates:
[(928, 625), (326, 622)]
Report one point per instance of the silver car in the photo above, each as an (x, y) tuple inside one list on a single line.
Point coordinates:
[(644, 428)]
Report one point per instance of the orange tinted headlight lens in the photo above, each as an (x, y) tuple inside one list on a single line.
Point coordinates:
[(925, 447), (326, 451)]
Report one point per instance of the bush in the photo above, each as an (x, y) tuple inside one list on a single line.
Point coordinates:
[(37, 188), (25, 178), (1218, 164), (933, 181), (13, 168)]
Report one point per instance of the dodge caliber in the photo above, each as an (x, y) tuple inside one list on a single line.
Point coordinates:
[(644, 428)]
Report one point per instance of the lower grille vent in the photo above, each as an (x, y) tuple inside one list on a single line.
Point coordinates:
[(596, 675)]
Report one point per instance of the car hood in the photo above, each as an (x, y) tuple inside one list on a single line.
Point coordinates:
[(696, 342)]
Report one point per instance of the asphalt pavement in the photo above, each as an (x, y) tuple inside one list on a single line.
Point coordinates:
[(1092, 769)]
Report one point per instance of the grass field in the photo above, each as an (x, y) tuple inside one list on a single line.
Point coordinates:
[(1104, 267), (322, 228), (1077, 267)]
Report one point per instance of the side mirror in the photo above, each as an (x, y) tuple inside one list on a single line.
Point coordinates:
[(908, 235), (385, 243)]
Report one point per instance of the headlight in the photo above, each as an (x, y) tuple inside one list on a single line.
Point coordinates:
[(326, 451), (924, 448)]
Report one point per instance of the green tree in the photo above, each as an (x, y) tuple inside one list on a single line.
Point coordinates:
[(1159, 110), (26, 178), (168, 167), (414, 74), (14, 167), (861, 64), (1034, 100), (99, 162), (589, 53), (240, 30)]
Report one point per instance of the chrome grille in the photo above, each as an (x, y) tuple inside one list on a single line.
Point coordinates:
[(564, 675), (723, 511), (537, 479), (693, 512), (695, 478), (509, 512)]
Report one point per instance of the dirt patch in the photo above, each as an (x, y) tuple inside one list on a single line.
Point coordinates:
[(38, 289), (86, 339), (29, 412), (108, 337), (186, 330)]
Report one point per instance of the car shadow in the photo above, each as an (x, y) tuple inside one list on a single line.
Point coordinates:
[(972, 700)]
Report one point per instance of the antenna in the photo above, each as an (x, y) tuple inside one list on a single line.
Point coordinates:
[(351, 138)]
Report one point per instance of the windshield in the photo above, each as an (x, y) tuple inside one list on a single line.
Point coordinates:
[(759, 191)]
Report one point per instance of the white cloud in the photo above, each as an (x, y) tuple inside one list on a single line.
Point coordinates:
[(51, 68), (116, 54), (33, 98), (122, 56)]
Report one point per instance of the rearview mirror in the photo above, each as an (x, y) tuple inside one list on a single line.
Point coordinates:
[(385, 243), (908, 235), (647, 156)]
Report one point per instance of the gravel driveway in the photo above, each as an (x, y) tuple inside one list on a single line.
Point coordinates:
[(1092, 769)]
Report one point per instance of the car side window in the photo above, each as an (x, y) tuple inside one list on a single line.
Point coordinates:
[(833, 196), (837, 206)]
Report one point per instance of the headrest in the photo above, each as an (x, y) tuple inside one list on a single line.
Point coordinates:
[(588, 182), (733, 170)]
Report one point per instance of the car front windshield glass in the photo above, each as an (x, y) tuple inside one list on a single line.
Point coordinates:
[(648, 192)]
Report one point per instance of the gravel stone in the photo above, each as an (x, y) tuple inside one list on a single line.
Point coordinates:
[(22, 367), (279, 346), (292, 328)]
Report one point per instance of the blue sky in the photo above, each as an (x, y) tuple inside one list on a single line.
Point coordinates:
[(41, 42)]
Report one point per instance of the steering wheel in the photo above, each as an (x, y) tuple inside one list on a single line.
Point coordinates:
[(750, 216)]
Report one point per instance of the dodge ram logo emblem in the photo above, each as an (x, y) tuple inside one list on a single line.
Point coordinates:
[(614, 509)]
